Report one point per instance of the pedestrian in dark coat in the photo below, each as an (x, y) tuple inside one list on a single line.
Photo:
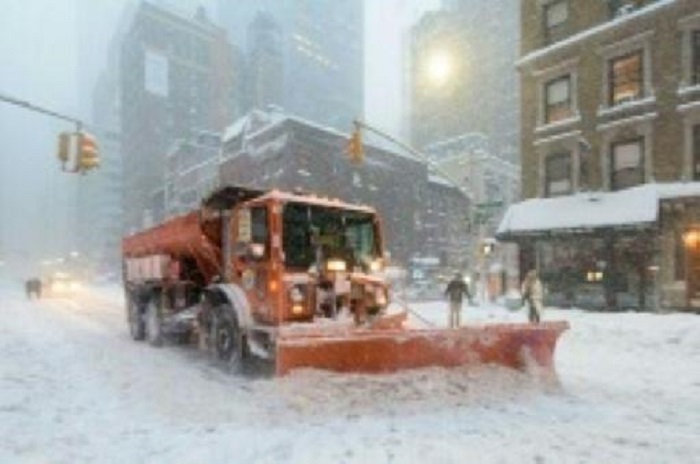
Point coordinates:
[(456, 289)]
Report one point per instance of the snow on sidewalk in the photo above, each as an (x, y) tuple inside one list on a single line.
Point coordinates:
[(74, 388)]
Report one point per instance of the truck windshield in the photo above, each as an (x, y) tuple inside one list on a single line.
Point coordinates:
[(313, 233)]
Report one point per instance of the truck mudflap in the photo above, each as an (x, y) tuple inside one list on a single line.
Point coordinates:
[(387, 349)]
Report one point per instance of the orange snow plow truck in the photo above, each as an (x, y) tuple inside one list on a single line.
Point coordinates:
[(296, 280)]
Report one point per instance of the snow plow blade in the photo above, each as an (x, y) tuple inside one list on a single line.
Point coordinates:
[(378, 350)]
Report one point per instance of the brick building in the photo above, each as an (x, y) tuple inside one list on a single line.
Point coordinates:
[(272, 149), (611, 151)]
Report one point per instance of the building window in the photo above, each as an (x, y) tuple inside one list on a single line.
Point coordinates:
[(558, 99), (558, 175), (696, 152), (556, 14), (626, 78), (627, 164), (695, 72)]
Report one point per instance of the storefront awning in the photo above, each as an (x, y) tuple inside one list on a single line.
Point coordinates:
[(633, 208)]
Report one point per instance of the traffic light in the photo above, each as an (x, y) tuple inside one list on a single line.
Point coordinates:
[(63, 147), (355, 150), (88, 153)]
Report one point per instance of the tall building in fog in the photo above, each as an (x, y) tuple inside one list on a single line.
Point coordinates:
[(178, 76), (462, 77), (305, 56)]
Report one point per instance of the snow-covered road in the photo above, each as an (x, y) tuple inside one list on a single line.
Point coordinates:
[(74, 388)]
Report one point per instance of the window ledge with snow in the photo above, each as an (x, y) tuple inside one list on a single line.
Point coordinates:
[(691, 106), (564, 123), (605, 111), (686, 90), (637, 119)]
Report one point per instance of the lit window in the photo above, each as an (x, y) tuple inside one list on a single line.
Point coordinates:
[(626, 78), (558, 99), (627, 164), (558, 175)]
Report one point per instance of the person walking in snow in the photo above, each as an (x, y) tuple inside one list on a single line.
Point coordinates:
[(456, 289), (532, 295)]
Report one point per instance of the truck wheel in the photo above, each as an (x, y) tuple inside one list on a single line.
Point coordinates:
[(154, 333), (135, 318), (229, 342)]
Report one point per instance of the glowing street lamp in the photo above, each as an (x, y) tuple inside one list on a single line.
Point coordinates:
[(440, 67)]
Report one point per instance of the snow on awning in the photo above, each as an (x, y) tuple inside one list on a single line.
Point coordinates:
[(676, 190), (636, 207)]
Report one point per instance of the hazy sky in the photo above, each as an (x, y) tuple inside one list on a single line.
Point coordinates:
[(42, 43)]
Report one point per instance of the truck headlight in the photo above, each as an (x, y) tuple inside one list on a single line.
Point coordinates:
[(336, 265), (375, 265)]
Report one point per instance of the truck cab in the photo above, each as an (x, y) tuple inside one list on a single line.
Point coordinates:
[(300, 257)]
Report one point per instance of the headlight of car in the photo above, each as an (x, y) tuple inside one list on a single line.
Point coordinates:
[(58, 286)]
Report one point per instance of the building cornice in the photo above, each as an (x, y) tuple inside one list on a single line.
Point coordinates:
[(593, 32)]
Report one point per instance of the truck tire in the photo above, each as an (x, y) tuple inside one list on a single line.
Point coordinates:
[(153, 323), (229, 342), (137, 326)]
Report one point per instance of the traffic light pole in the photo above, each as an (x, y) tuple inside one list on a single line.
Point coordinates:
[(421, 156), (38, 109), (26, 105)]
